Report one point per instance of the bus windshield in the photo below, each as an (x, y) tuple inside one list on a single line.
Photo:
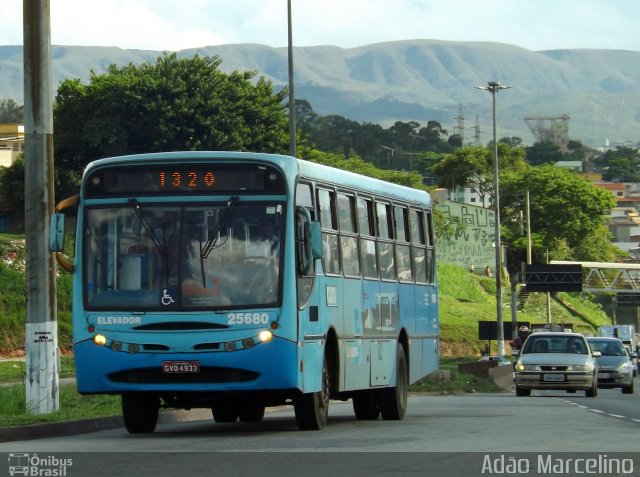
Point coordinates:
[(160, 256)]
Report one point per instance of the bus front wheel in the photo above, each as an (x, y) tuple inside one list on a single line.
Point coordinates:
[(393, 401), (224, 413), (140, 412), (251, 412), (312, 409)]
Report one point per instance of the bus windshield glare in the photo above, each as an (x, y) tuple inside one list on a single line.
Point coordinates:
[(150, 256)]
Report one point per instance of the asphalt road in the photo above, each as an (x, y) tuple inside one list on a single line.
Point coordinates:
[(444, 435)]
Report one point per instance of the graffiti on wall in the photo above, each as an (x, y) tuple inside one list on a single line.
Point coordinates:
[(468, 236)]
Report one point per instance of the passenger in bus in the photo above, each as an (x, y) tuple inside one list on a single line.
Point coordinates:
[(267, 244), (197, 281)]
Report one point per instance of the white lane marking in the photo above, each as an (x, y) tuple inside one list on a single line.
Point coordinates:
[(597, 411)]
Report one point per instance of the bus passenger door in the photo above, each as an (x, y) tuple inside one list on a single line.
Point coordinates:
[(310, 335)]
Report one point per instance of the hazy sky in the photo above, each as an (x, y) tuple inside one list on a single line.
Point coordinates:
[(180, 24)]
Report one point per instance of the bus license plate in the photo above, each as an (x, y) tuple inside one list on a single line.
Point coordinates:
[(553, 377), (181, 366)]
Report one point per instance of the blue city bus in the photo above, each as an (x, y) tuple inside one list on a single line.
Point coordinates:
[(237, 281)]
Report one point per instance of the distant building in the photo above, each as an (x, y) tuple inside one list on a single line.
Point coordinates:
[(11, 146), (572, 165), (623, 221), (11, 143), (465, 195)]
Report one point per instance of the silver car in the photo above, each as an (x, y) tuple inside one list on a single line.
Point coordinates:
[(615, 366), (556, 360)]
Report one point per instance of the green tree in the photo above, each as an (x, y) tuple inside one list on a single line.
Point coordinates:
[(567, 212), (473, 166), (12, 185), (544, 152), (176, 104), (513, 141), (11, 112), (577, 151), (357, 165), (620, 163)]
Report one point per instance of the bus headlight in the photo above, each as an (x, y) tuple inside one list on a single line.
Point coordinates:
[(265, 336), (100, 340)]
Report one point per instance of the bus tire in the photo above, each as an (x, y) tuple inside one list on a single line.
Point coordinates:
[(393, 400), (250, 412), (365, 405), (140, 412), (312, 409), (224, 413)]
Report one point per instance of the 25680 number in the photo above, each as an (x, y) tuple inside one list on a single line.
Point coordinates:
[(247, 318)]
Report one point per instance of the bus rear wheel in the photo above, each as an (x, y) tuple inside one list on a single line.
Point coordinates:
[(365, 405), (140, 412), (393, 401), (312, 409)]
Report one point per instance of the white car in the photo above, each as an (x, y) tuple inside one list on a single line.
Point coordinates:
[(615, 366), (556, 360)]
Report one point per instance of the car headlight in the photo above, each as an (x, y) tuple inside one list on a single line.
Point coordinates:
[(624, 367), (527, 367), (580, 367)]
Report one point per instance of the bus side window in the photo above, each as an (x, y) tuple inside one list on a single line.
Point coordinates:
[(330, 254), (386, 259), (367, 240), (348, 240), (418, 245), (403, 251), (430, 252)]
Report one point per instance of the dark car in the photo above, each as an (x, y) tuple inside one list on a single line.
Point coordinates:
[(556, 360), (615, 365)]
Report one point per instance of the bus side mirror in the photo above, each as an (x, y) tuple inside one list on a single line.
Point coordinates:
[(56, 232), (308, 241)]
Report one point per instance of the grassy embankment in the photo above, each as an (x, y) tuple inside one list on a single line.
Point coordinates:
[(465, 300)]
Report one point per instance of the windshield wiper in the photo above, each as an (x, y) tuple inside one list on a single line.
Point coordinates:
[(160, 247), (135, 205), (222, 223)]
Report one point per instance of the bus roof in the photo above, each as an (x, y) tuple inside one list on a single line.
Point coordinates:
[(311, 170)]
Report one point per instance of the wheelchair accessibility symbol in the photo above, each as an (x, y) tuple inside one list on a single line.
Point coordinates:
[(166, 298)]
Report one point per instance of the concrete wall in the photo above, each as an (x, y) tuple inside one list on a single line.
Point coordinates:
[(468, 237)]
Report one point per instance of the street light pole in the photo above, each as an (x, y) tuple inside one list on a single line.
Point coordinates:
[(493, 87), (389, 154)]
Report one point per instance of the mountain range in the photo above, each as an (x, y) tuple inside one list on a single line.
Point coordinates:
[(415, 80)]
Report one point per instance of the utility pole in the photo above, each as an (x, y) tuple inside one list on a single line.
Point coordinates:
[(41, 330), (494, 87), (293, 148)]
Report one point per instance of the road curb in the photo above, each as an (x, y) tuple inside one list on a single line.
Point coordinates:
[(85, 426)]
